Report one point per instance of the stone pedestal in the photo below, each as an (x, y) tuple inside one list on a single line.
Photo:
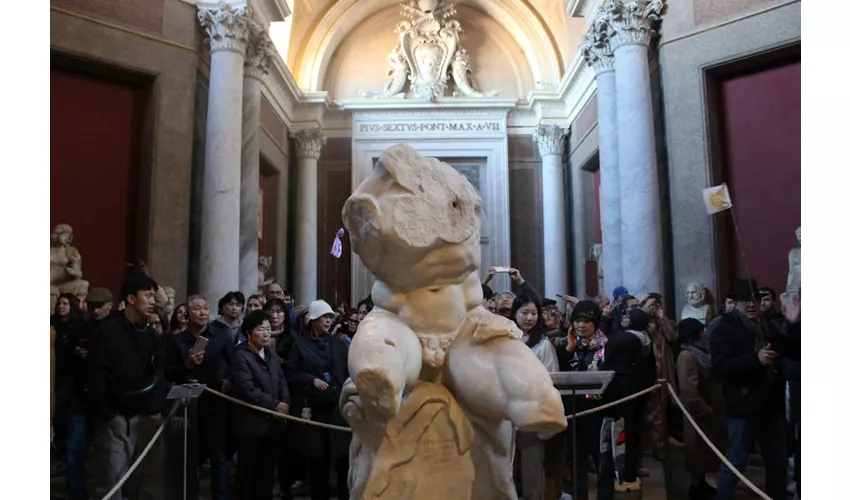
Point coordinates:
[(597, 51), (226, 30), (550, 141), (309, 145), (257, 55), (640, 203)]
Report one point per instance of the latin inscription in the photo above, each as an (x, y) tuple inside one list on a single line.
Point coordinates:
[(432, 127)]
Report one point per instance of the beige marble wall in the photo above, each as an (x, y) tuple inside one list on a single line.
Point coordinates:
[(163, 42)]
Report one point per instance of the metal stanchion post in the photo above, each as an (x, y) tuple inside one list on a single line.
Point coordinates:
[(668, 482), (186, 393), (575, 455)]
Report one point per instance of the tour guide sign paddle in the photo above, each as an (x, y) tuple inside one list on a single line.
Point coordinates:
[(717, 200), (336, 251)]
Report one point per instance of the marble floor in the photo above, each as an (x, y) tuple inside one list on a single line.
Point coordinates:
[(653, 487)]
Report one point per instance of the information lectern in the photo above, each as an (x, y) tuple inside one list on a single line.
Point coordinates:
[(578, 384)]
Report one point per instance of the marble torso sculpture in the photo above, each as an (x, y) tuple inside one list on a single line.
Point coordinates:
[(429, 44), (438, 383), (793, 284), (264, 263), (696, 307), (66, 265)]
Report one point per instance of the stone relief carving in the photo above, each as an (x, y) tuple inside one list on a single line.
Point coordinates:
[(433, 399), (310, 143), (264, 263), (66, 265), (697, 307), (551, 140), (429, 44), (631, 21), (259, 50)]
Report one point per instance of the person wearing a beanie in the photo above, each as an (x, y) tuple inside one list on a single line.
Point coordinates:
[(702, 397), (585, 350)]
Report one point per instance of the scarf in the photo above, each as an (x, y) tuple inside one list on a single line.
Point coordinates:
[(703, 358), (589, 356)]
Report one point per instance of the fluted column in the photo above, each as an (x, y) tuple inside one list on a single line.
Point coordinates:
[(258, 54), (550, 142), (632, 27), (309, 145), (597, 51), (226, 30)]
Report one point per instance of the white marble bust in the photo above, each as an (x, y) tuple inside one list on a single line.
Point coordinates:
[(696, 307)]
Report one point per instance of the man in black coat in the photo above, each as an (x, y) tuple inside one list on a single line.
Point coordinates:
[(744, 351), (127, 396), (184, 364)]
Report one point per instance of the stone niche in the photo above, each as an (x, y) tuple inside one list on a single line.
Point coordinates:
[(469, 134)]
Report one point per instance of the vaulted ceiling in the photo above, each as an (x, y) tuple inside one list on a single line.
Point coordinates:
[(545, 34)]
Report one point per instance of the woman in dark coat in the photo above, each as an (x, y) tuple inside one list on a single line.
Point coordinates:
[(316, 369), (256, 377), (702, 396)]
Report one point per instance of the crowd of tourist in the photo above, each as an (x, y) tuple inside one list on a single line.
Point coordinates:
[(115, 359)]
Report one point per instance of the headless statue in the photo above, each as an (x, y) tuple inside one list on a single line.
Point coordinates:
[(434, 398), (66, 265)]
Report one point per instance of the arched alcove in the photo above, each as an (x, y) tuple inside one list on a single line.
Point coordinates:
[(359, 63)]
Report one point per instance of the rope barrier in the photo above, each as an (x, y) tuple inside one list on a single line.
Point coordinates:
[(277, 414), (273, 413), (141, 455), (713, 448), (615, 403)]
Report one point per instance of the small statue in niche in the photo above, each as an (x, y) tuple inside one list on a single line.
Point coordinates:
[(792, 286), (433, 399), (264, 263), (697, 307), (596, 255), (66, 265), (169, 306)]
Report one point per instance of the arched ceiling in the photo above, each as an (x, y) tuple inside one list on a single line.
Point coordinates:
[(330, 28)]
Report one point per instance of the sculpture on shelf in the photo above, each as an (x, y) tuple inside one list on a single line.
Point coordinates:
[(792, 285), (433, 400), (596, 256), (264, 263), (697, 307), (66, 266), (429, 43), (169, 306)]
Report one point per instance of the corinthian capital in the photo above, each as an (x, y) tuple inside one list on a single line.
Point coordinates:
[(551, 140), (309, 143), (259, 51), (633, 21), (226, 27), (596, 46)]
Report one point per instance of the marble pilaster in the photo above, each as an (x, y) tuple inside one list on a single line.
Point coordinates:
[(632, 24), (597, 52), (550, 142), (226, 30), (258, 53), (309, 145)]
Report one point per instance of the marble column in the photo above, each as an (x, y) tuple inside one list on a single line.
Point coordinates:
[(550, 142), (309, 145), (640, 205), (258, 53), (597, 51), (226, 30)]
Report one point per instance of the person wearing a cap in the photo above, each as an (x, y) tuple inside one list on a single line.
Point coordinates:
[(700, 393), (316, 369), (744, 353)]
